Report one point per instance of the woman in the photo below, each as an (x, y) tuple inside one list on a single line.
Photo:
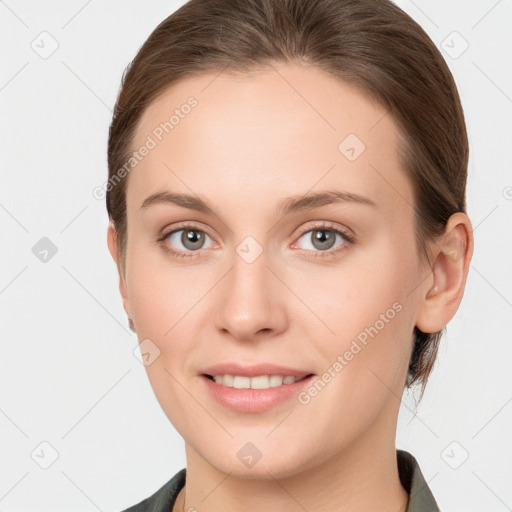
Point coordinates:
[(287, 202)]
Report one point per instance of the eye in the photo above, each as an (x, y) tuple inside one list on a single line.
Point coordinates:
[(323, 239), (188, 240), (185, 242)]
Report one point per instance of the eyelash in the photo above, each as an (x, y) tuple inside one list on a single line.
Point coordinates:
[(319, 226)]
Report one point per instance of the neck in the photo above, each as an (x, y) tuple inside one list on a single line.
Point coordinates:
[(361, 477)]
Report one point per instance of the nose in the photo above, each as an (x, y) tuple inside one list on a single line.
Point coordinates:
[(251, 300)]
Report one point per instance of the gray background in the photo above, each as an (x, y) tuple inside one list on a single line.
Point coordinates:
[(75, 399)]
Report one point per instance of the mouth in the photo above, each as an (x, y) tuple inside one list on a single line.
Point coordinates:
[(254, 394), (257, 382), (302, 378)]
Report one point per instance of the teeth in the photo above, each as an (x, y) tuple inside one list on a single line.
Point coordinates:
[(259, 382)]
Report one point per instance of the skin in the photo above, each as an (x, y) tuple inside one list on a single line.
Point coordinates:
[(252, 141)]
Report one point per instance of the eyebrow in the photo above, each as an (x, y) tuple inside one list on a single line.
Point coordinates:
[(288, 205)]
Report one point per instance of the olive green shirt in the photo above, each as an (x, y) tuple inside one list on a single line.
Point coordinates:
[(420, 496)]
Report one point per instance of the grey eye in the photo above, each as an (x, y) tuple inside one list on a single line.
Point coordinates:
[(191, 239), (322, 239)]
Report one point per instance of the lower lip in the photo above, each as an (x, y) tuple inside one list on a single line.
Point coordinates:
[(254, 400)]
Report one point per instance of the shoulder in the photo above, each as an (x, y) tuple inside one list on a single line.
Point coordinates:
[(163, 499), (421, 498)]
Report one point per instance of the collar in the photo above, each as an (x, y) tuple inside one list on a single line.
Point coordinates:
[(411, 478), (421, 498)]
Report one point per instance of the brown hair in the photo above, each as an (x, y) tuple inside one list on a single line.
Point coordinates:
[(370, 44)]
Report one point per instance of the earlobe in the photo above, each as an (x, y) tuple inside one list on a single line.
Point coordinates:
[(453, 252)]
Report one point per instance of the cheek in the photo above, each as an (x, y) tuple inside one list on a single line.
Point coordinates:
[(166, 304), (162, 302), (162, 294), (346, 298), (365, 351), (361, 312)]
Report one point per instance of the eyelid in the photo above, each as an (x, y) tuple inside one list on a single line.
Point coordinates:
[(348, 234), (189, 224)]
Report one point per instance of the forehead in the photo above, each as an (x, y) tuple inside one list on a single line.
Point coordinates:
[(285, 129)]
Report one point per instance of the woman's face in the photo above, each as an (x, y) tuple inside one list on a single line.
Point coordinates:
[(331, 287)]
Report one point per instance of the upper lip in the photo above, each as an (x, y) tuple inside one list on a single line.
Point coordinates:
[(254, 370)]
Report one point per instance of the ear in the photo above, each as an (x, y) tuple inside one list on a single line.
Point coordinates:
[(452, 256), (113, 249)]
